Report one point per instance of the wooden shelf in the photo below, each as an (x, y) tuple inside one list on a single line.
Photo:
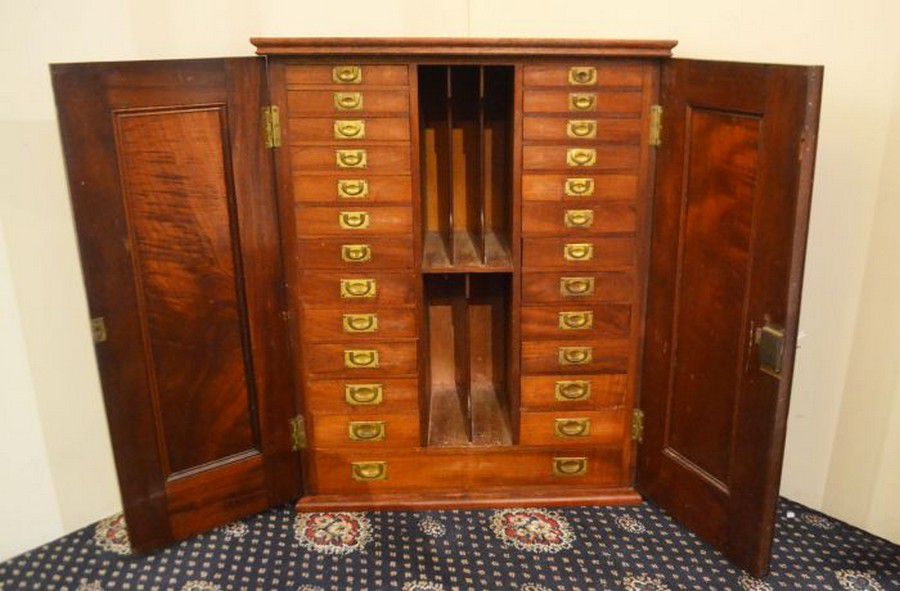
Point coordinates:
[(435, 259)]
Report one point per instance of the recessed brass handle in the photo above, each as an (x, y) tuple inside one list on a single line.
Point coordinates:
[(351, 158), (346, 74), (582, 101), (572, 390), (575, 355), (581, 157), (360, 358), (579, 187), (578, 252), (356, 253), (580, 427), (353, 220), (570, 466), (576, 320), (367, 471), (578, 218), (358, 288), (348, 101), (367, 431), (352, 188), (582, 75), (576, 286), (363, 394), (354, 323), (349, 129), (581, 128)]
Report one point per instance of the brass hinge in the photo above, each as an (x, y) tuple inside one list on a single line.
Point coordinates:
[(656, 114), (98, 329), (271, 126), (637, 425), (298, 433)]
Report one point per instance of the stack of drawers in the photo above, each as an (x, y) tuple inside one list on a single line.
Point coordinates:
[(349, 133)]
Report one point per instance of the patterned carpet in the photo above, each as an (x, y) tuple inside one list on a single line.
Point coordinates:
[(621, 548)]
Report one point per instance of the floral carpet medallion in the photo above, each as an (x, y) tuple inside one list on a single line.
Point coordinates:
[(332, 533), (534, 530)]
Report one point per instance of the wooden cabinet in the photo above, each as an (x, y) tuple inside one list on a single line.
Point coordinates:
[(381, 274)]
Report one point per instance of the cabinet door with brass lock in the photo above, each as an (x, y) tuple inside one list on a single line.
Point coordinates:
[(549, 218), (562, 428), (353, 220)]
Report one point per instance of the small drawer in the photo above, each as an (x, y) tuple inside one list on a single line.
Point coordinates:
[(588, 356), (584, 75), (364, 360), (577, 288), (347, 74), (353, 220), (351, 160), (558, 428), (586, 129), (348, 129), (576, 321), (347, 102), (355, 255), (341, 324), (352, 189), (549, 218), (577, 159), (371, 431), (584, 102), (388, 395), (577, 253), (579, 188), (573, 391), (357, 290)]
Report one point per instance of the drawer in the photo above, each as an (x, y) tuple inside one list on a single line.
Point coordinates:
[(355, 255), (348, 129), (588, 427), (333, 159), (582, 129), (574, 392), (577, 288), (578, 188), (352, 189), (347, 74), (588, 356), (581, 75), (369, 360), (588, 102), (581, 158), (372, 431), (367, 324), (581, 253), (554, 218), (357, 290), (353, 220), (349, 102), (388, 395), (576, 321)]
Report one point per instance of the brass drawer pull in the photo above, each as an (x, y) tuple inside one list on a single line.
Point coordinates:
[(582, 101), (576, 286), (578, 218), (351, 158), (366, 471), (356, 253), (580, 427), (345, 129), (358, 288), (575, 355), (581, 157), (360, 358), (578, 252), (581, 128), (352, 188), (363, 394), (346, 74), (366, 431), (582, 75), (348, 101), (353, 323), (572, 390), (579, 187), (576, 320), (569, 466), (353, 220)]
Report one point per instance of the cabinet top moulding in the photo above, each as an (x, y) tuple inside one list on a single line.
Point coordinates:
[(438, 47)]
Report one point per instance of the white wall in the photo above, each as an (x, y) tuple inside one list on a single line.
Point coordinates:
[(55, 383)]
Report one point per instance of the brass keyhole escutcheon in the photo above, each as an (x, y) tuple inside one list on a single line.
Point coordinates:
[(581, 156), (358, 288), (353, 220), (574, 355), (582, 101), (351, 158), (576, 286), (366, 430), (580, 427), (578, 252), (352, 189), (356, 253), (348, 101), (578, 218), (576, 320), (367, 471), (354, 323), (349, 130), (570, 466), (363, 394), (572, 390), (346, 74), (361, 358), (579, 187)]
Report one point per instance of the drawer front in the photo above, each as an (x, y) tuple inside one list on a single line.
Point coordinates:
[(590, 427), (351, 160), (351, 221), (577, 288), (372, 431), (347, 74), (342, 396), (582, 129), (348, 129), (364, 360), (352, 189), (570, 392), (355, 255), (347, 102), (581, 158), (576, 322), (584, 102), (367, 324), (549, 218), (357, 290), (579, 188), (574, 357), (576, 254), (590, 75)]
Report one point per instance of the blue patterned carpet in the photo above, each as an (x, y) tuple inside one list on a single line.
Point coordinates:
[(622, 548)]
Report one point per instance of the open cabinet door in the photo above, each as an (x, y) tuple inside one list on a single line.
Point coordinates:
[(734, 177), (171, 188)]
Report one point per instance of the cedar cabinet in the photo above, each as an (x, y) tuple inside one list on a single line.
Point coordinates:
[(411, 274)]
